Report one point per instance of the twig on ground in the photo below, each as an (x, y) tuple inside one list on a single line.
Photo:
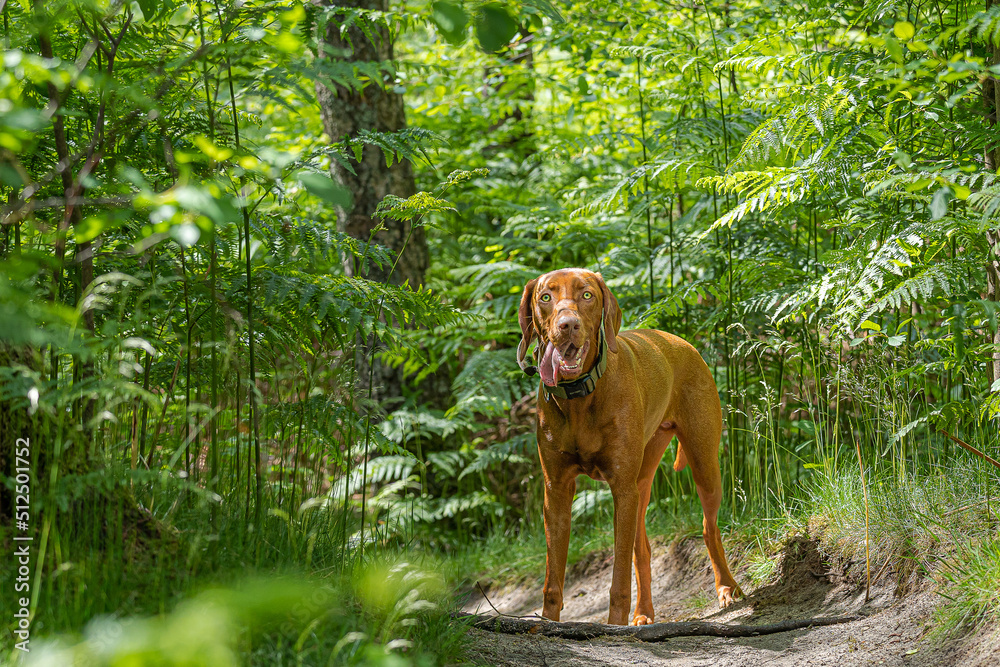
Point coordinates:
[(882, 569), (966, 507), (500, 613), (487, 598), (656, 632)]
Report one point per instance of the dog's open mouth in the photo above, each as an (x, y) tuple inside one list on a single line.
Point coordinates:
[(562, 364)]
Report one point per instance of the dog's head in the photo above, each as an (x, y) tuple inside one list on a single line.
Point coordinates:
[(564, 310)]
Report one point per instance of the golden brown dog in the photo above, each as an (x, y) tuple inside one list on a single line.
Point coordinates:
[(608, 407)]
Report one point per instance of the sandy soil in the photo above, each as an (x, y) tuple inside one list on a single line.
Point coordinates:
[(893, 631)]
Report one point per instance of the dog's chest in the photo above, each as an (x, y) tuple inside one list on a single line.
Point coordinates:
[(581, 457), (582, 438)]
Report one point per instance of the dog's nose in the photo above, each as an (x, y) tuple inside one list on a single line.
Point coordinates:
[(568, 323)]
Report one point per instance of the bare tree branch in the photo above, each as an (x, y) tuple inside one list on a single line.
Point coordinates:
[(657, 632)]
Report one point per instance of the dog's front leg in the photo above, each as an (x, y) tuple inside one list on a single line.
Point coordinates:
[(560, 485), (625, 493)]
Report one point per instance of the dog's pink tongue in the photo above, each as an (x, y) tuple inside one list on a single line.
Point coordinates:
[(548, 367)]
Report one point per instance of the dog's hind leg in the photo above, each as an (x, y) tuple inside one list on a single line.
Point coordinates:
[(700, 441)]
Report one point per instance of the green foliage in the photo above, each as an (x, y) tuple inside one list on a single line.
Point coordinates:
[(279, 619), (801, 193), (168, 225)]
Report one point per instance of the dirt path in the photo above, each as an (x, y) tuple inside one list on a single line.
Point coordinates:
[(893, 631)]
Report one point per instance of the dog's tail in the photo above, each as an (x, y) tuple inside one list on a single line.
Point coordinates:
[(682, 460)]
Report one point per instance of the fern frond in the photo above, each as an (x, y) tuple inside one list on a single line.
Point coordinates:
[(518, 449), (677, 172), (413, 207), (489, 384)]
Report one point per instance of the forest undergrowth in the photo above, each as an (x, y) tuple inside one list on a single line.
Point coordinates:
[(260, 265)]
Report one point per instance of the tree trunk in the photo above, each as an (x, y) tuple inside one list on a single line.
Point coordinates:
[(993, 294), (991, 159), (376, 107)]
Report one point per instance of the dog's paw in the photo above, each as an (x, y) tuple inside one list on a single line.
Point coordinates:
[(642, 619), (727, 595)]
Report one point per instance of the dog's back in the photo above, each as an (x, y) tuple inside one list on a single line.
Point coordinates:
[(675, 382)]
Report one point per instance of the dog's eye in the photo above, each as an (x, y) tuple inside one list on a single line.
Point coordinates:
[(588, 295), (546, 298)]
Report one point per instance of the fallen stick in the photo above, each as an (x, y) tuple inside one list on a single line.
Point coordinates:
[(657, 632), (969, 447), (966, 507)]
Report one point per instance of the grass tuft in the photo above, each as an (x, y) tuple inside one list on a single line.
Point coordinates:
[(915, 522), (973, 593)]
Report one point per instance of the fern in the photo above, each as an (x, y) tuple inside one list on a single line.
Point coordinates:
[(518, 450), (489, 384)]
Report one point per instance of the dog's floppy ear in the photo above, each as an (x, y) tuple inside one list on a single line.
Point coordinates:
[(612, 316), (528, 332)]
